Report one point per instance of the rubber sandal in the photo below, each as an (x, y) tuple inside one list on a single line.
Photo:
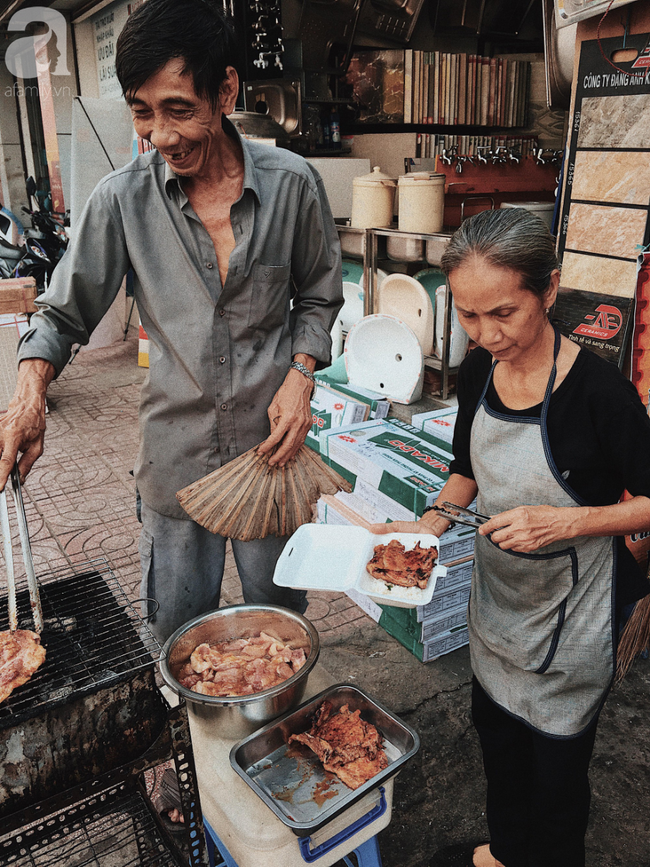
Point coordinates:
[(458, 855), (168, 797)]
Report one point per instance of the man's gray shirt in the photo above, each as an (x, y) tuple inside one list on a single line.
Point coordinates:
[(217, 355)]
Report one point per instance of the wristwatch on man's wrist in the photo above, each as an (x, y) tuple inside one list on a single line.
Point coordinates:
[(301, 368)]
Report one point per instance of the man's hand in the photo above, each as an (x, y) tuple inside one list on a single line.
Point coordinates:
[(290, 415), (22, 428)]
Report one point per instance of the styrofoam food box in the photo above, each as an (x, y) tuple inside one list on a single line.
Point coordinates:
[(334, 557)]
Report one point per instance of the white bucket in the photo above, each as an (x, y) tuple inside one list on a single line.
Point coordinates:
[(421, 204)]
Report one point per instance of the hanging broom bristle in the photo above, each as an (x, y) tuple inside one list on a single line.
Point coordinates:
[(246, 499), (635, 638)]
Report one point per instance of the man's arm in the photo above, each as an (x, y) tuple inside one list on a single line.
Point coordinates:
[(316, 270), (22, 428), (83, 287)]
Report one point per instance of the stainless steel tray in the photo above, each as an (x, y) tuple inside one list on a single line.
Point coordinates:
[(289, 780)]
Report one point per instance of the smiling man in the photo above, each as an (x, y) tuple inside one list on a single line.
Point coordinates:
[(237, 281)]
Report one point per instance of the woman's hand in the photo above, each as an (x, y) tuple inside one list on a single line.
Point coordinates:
[(397, 527), (528, 528)]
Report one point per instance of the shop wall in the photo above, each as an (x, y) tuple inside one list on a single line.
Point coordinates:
[(64, 90), (12, 180), (86, 61)]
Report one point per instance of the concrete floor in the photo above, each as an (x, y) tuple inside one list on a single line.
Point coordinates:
[(80, 505)]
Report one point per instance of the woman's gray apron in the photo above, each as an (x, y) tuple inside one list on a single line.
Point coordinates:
[(540, 625)]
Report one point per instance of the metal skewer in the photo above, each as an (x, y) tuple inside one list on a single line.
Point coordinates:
[(34, 595), (9, 560)]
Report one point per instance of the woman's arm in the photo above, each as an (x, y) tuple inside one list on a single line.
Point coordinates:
[(528, 528), (458, 490)]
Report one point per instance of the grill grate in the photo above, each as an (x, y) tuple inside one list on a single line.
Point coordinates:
[(112, 829), (92, 634)]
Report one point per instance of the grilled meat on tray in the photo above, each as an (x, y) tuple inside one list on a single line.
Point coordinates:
[(345, 744)]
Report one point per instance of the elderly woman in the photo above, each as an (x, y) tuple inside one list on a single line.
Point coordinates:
[(549, 436)]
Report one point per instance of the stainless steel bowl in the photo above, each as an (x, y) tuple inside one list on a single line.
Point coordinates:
[(238, 716)]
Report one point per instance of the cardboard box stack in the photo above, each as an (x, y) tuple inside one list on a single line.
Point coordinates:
[(335, 405), (439, 423), (396, 471)]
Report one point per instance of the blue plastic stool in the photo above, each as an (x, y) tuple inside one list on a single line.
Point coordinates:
[(367, 854)]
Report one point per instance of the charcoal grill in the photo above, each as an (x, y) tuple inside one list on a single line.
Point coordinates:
[(90, 720)]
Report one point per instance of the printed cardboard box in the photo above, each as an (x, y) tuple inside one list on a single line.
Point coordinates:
[(447, 617), (440, 423), (430, 650), (437, 626), (390, 458), (331, 410), (379, 406)]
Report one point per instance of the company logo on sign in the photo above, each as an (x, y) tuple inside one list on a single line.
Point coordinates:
[(21, 55), (604, 324), (643, 59)]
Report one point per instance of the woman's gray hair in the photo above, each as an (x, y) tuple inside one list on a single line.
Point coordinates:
[(508, 238)]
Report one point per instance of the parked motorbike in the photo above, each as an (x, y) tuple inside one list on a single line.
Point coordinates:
[(47, 229), (33, 252), (11, 242)]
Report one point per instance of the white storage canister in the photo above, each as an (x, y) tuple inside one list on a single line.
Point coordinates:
[(373, 200), (544, 210), (421, 202)]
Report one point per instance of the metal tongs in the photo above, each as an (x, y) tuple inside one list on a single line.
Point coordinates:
[(34, 595), (465, 516)]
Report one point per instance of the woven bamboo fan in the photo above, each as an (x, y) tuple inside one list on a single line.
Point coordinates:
[(246, 499)]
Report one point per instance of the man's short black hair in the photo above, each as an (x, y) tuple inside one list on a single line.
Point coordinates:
[(160, 30)]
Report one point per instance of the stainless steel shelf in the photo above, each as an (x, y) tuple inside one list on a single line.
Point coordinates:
[(370, 249)]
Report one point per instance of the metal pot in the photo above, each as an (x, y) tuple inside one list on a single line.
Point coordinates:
[(238, 716)]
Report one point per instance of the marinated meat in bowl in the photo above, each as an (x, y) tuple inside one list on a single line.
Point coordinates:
[(249, 662)]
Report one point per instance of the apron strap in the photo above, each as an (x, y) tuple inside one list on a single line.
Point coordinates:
[(551, 379), (549, 385)]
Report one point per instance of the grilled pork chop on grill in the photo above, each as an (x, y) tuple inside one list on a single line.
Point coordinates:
[(21, 653), (345, 744), (393, 564)]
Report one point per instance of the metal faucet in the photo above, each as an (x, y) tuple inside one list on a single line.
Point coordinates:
[(448, 157)]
